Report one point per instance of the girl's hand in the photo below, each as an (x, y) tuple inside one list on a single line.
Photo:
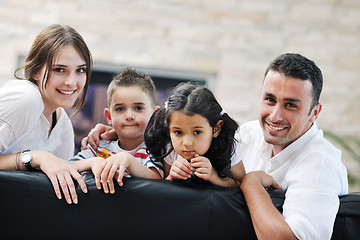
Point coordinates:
[(60, 172), (203, 167), (181, 169)]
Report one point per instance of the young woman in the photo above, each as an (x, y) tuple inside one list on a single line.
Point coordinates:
[(35, 131)]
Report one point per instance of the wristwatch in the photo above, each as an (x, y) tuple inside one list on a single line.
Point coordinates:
[(26, 158)]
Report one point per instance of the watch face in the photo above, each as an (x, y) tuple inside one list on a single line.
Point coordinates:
[(26, 157)]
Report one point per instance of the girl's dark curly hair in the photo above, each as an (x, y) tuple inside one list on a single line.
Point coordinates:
[(193, 99)]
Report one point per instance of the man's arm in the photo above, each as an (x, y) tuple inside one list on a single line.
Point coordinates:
[(267, 220)]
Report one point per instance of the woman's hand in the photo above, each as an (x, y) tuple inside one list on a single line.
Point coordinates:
[(60, 173), (99, 131), (181, 169)]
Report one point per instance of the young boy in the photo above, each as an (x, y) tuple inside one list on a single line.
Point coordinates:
[(131, 102)]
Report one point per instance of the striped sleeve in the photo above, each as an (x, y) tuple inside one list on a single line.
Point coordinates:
[(89, 152), (143, 157)]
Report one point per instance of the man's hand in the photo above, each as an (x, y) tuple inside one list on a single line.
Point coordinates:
[(267, 220), (100, 131), (264, 179)]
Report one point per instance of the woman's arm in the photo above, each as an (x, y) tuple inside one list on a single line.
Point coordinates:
[(59, 171), (8, 161)]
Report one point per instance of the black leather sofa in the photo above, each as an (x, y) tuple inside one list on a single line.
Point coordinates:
[(141, 209)]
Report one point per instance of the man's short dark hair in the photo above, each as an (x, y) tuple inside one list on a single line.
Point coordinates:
[(297, 66)]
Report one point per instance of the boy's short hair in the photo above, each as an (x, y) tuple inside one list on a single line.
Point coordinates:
[(130, 77)]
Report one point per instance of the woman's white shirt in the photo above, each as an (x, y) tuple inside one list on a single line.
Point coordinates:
[(23, 125)]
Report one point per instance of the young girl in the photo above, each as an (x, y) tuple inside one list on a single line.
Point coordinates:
[(193, 134), (35, 131)]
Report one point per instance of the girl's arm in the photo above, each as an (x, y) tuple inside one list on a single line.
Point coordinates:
[(167, 168)]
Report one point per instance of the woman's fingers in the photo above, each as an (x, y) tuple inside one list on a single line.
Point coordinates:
[(54, 182), (70, 187), (64, 188)]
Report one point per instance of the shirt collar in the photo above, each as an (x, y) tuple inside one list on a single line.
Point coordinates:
[(289, 151)]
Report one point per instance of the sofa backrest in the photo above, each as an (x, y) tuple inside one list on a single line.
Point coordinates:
[(142, 208)]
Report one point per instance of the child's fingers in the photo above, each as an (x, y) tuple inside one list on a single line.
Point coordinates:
[(182, 172), (202, 170), (97, 182), (111, 186), (105, 172), (120, 175), (200, 175), (203, 173), (200, 162), (198, 158), (105, 186), (275, 185), (183, 165), (112, 172), (183, 176), (79, 179), (199, 165)]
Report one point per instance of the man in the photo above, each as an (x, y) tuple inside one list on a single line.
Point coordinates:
[(285, 149)]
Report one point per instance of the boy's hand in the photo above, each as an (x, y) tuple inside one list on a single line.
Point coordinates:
[(96, 167), (203, 167), (106, 170), (181, 169)]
